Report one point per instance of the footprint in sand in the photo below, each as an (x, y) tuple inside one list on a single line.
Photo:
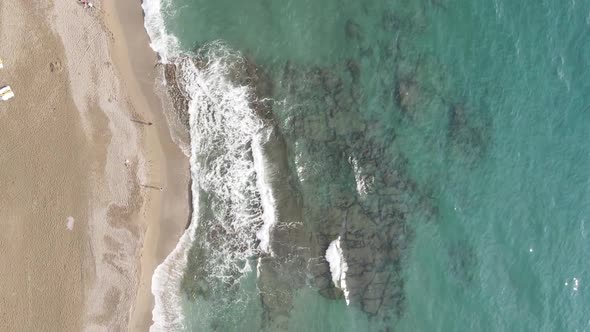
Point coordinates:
[(55, 67)]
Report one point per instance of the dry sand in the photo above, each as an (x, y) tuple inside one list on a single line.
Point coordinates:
[(64, 141)]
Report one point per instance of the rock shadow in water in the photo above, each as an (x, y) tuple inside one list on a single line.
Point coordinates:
[(370, 196), (471, 140), (463, 262)]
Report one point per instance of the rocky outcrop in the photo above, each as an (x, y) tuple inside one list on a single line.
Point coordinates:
[(281, 270), (465, 134), (336, 175), (357, 190), (369, 198), (177, 92), (245, 73), (281, 267), (462, 262)]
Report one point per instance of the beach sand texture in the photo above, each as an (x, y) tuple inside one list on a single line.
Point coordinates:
[(44, 164), (74, 215)]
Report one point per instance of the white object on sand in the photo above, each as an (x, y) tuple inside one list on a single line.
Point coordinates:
[(1, 65), (6, 93), (70, 223)]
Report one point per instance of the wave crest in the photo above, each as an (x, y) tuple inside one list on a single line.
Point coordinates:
[(227, 207)]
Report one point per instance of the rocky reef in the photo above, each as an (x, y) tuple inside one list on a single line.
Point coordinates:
[(359, 194), (470, 138), (177, 91), (337, 174), (462, 261)]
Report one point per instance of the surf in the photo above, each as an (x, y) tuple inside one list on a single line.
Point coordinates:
[(228, 197)]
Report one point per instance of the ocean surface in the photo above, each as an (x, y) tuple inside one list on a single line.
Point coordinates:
[(379, 165)]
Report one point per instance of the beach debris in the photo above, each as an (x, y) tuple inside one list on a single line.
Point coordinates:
[(147, 123), (1, 64), (86, 4), (6, 93), (127, 162), (152, 187), (70, 223)]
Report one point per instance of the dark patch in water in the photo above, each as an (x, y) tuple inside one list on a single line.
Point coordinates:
[(368, 193), (352, 30), (470, 138), (252, 75), (177, 92), (406, 94), (462, 262), (356, 184)]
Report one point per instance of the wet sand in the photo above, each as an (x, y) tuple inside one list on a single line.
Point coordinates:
[(72, 145), (136, 60)]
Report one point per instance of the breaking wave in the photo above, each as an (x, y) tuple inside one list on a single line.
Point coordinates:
[(223, 126), (227, 221), (165, 44)]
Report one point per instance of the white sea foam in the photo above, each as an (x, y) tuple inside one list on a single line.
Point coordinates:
[(222, 129), (364, 184), (334, 258), (338, 266), (225, 137), (165, 44), (266, 195), (167, 313), (300, 164)]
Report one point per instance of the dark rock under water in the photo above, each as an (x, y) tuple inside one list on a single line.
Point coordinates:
[(363, 194), (177, 92), (369, 194)]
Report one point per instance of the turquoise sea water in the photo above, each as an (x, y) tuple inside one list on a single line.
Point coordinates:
[(482, 109)]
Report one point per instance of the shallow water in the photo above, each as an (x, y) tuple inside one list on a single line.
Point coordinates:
[(478, 109)]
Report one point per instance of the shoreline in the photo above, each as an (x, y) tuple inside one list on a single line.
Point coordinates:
[(173, 210)]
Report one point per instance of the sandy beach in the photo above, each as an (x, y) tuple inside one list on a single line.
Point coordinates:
[(93, 197)]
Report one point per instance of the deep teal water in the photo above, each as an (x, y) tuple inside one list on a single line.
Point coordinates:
[(495, 137)]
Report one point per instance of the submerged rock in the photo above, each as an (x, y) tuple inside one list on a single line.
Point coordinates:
[(354, 69), (352, 30), (469, 138), (406, 94), (245, 73), (177, 92), (353, 187), (248, 73), (462, 261), (361, 196)]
